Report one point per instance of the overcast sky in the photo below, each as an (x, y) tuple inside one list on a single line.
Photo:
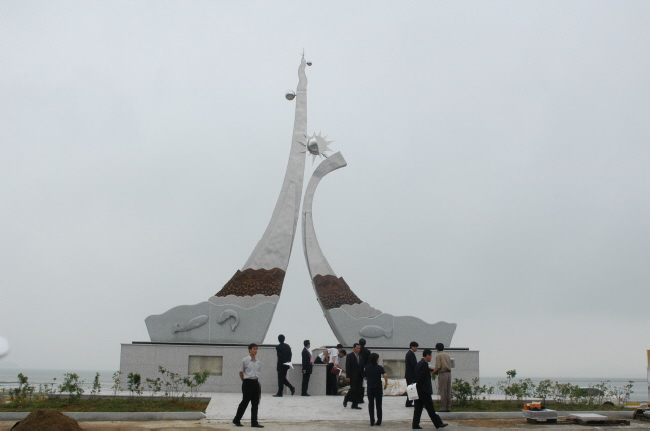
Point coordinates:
[(498, 170)]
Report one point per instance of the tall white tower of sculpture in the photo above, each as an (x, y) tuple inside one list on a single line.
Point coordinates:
[(242, 310)]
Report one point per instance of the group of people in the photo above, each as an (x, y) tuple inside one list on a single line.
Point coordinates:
[(361, 369), (330, 357)]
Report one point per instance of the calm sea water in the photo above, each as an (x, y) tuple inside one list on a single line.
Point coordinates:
[(8, 379)]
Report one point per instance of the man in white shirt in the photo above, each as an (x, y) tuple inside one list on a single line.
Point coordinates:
[(249, 373), (332, 387)]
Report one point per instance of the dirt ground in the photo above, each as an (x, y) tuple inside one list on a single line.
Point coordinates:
[(204, 425)]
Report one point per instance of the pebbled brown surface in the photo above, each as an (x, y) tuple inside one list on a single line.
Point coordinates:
[(254, 281), (334, 292)]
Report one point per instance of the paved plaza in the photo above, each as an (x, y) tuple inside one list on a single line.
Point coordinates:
[(324, 413)]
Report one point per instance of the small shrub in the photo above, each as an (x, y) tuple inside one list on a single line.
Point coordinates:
[(173, 383), (24, 391), (72, 386), (196, 381), (117, 383), (461, 391), (544, 390), (97, 386), (133, 383), (154, 385)]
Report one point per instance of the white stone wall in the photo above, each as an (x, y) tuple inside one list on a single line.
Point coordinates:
[(146, 358)]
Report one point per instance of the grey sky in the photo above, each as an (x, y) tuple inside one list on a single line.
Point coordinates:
[(497, 170)]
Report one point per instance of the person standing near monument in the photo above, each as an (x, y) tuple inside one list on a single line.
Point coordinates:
[(443, 369), (425, 391), (283, 351), (373, 373), (249, 373), (332, 387), (365, 355), (410, 362), (353, 370), (307, 365)]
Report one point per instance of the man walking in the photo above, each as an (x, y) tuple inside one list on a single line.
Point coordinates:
[(443, 370), (354, 376), (410, 361), (425, 390), (249, 374), (307, 365), (283, 351)]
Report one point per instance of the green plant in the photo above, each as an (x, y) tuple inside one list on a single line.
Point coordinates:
[(133, 383), (461, 391), (601, 389), (117, 383), (563, 392), (477, 390), (544, 390), (173, 383), (154, 385), (72, 386), (45, 390), (97, 386), (24, 391), (196, 381), (622, 395), (504, 386), (490, 391)]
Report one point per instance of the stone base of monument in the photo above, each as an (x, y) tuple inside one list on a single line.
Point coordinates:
[(224, 361)]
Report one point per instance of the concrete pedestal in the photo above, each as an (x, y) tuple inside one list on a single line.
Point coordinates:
[(144, 358)]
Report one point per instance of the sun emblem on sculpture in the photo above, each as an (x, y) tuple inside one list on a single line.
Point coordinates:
[(317, 145)]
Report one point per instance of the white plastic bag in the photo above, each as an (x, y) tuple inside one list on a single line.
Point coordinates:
[(412, 392)]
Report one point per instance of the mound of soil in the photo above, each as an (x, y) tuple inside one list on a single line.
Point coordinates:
[(40, 420)]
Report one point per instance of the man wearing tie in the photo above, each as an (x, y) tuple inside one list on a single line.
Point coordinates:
[(354, 370), (307, 365)]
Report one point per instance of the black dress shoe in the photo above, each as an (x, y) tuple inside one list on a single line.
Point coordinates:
[(237, 423), (277, 395), (257, 426), (417, 427), (305, 395), (442, 426), (378, 423), (356, 407), (293, 391), (345, 404)]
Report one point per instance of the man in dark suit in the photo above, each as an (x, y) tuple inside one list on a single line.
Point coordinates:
[(284, 356), (307, 365), (354, 375), (411, 361), (425, 390), (365, 356)]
